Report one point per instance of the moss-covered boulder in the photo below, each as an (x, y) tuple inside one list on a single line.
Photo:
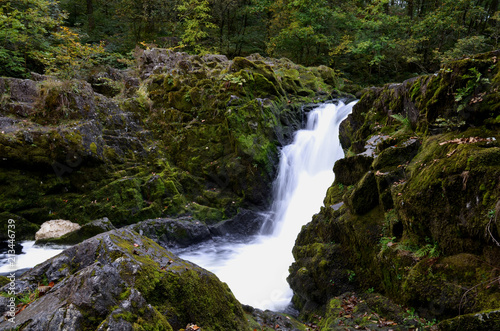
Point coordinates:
[(420, 223), (121, 280), (180, 135), (349, 170)]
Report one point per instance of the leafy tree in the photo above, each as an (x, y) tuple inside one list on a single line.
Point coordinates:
[(70, 58), (25, 30), (300, 30), (196, 18)]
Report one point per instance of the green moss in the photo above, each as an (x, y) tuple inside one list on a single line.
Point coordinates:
[(4, 281), (207, 214), (93, 148), (484, 320), (185, 292)]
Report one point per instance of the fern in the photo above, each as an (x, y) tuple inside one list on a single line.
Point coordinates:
[(405, 122)]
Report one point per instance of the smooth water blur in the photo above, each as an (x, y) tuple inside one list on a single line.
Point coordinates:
[(29, 257), (256, 268)]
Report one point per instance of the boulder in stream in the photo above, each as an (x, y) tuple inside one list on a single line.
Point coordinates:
[(80, 233), (120, 280), (55, 228)]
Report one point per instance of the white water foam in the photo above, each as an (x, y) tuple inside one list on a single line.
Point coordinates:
[(30, 256)]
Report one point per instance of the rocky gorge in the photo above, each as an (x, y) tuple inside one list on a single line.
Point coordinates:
[(169, 150), (413, 211)]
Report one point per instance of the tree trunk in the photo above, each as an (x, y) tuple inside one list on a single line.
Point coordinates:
[(409, 8), (90, 15)]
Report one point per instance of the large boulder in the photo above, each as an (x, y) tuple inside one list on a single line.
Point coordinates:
[(120, 280), (171, 233)]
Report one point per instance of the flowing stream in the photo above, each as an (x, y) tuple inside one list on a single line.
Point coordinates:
[(256, 268)]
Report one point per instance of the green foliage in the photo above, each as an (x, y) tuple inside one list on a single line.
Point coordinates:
[(25, 31), (237, 80), (351, 275), (300, 30), (369, 42), (195, 15), (428, 250), (473, 80), (69, 58), (386, 242), (405, 122), (466, 46)]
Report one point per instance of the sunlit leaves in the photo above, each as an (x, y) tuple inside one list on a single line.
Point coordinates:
[(196, 18), (71, 58), (25, 27)]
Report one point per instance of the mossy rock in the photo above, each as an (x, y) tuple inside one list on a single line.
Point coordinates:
[(421, 226), (395, 156), (483, 320), (216, 124), (122, 279), (349, 170), (23, 229), (364, 197), (369, 311), (440, 286)]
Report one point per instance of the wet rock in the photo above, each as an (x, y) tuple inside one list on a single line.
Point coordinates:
[(121, 279), (246, 223), (484, 320), (179, 232), (272, 320)]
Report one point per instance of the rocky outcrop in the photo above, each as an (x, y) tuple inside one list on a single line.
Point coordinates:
[(182, 136), (120, 280), (418, 220)]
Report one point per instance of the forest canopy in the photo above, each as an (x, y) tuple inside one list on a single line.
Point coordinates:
[(367, 41)]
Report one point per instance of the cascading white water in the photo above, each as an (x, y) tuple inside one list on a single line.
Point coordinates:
[(256, 269)]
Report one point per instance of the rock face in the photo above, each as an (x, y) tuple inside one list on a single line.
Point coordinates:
[(55, 229), (120, 280), (419, 220), (186, 135)]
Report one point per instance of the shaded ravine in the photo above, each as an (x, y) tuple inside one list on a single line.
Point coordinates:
[(256, 267)]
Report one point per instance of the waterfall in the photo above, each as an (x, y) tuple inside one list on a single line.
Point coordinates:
[(256, 269)]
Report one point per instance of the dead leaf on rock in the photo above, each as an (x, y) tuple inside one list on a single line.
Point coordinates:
[(192, 327), (468, 140)]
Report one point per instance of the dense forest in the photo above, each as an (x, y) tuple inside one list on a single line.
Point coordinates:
[(367, 41)]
